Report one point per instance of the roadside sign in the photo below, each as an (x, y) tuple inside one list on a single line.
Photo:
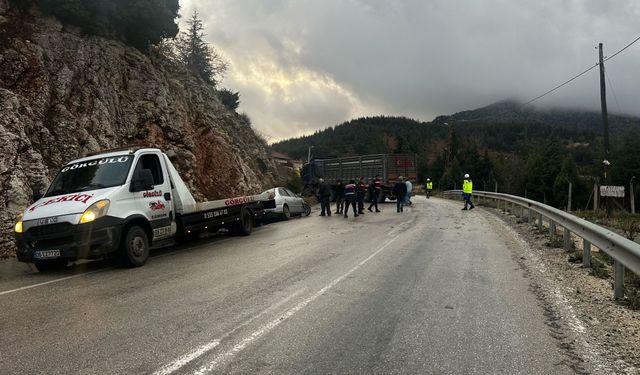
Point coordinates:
[(612, 191)]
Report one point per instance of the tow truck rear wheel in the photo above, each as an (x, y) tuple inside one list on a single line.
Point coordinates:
[(51, 265), (243, 226), (135, 247)]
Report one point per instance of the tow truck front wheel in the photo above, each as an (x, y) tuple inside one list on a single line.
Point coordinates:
[(135, 247)]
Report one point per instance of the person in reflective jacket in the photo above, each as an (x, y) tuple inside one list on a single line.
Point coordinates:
[(350, 198), (467, 190), (428, 187)]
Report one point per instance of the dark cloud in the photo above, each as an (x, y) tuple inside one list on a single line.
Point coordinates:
[(304, 65)]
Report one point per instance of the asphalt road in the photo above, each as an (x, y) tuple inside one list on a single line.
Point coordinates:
[(433, 290)]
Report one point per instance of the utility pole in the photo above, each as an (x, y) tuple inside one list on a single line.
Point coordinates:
[(605, 123)]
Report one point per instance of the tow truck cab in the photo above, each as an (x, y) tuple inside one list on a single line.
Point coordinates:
[(121, 200)]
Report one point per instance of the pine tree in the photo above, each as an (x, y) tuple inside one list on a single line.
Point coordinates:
[(197, 55)]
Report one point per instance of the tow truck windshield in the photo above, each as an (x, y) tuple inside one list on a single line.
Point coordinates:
[(91, 175)]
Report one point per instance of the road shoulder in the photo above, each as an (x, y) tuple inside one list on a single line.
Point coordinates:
[(599, 335)]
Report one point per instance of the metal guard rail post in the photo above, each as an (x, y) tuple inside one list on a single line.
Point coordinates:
[(626, 253)]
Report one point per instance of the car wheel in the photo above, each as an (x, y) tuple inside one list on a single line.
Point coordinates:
[(286, 213), (135, 247), (51, 265), (307, 209)]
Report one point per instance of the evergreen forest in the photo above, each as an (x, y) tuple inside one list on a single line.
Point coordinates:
[(521, 150)]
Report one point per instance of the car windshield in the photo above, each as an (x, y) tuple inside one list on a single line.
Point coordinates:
[(90, 175)]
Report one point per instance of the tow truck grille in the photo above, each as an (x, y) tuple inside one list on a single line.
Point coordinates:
[(48, 230)]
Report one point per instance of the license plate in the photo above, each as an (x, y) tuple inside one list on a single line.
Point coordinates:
[(46, 254)]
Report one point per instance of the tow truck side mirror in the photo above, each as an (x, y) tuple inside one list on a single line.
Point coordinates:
[(141, 181)]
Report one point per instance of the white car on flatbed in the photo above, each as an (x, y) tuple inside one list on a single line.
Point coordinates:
[(122, 201), (288, 203)]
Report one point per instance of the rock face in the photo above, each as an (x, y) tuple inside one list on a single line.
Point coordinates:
[(63, 95)]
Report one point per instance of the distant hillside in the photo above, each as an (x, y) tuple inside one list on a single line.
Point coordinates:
[(523, 149), (509, 111)]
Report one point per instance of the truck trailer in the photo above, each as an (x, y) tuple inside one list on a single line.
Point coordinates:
[(388, 166), (122, 201)]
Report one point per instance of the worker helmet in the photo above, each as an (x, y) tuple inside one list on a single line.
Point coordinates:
[(428, 179), (466, 175)]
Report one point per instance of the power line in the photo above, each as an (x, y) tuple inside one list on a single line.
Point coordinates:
[(615, 97), (562, 84), (627, 46), (569, 81), (581, 74)]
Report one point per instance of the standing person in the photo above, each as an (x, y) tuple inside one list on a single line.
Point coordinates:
[(377, 188), (339, 189), (400, 191), (407, 200), (467, 190), (428, 187), (362, 190), (350, 198), (324, 194)]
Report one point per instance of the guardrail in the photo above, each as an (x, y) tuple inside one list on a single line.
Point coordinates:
[(625, 253)]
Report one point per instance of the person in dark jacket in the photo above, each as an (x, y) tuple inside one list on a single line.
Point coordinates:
[(324, 195), (361, 192), (339, 189), (374, 192), (400, 191), (350, 198)]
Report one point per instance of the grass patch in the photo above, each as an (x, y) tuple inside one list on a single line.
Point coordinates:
[(599, 269), (576, 257)]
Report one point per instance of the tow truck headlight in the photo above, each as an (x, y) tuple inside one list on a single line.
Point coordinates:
[(95, 211), (18, 226)]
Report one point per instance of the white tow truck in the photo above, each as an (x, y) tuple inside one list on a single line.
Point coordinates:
[(122, 201)]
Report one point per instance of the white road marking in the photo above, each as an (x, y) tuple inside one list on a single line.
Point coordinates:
[(275, 322), (180, 362), (53, 281), (199, 351)]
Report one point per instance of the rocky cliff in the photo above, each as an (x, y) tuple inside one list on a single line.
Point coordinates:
[(63, 95)]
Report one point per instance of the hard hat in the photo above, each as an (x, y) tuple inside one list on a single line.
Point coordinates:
[(428, 179), (466, 175)]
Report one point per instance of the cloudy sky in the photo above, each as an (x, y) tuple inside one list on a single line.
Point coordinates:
[(303, 65)]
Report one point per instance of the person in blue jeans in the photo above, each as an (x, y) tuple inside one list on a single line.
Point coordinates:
[(350, 198), (400, 191)]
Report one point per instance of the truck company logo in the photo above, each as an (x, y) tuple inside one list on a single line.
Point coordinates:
[(84, 198), (240, 200), (121, 159), (152, 194), (159, 205)]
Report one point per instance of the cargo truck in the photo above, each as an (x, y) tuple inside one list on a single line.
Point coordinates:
[(122, 201), (388, 166)]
